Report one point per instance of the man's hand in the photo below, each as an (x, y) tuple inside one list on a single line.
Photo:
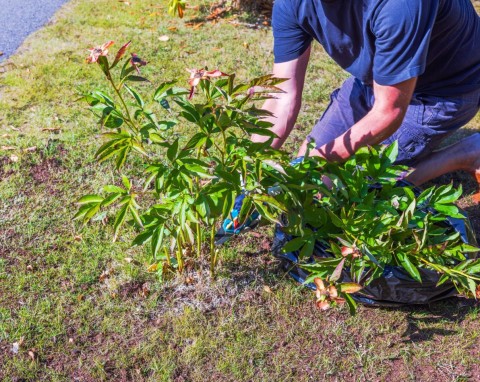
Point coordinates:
[(385, 117)]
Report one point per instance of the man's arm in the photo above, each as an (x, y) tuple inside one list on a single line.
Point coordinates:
[(285, 106), (385, 117)]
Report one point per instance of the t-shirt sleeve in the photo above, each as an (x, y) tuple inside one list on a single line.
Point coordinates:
[(402, 30), (290, 41)]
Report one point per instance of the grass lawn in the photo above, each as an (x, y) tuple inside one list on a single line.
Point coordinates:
[(76, 307)]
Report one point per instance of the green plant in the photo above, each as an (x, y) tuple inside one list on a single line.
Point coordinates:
[(358, 209), (176, 6), (190, 183), (368, 219)]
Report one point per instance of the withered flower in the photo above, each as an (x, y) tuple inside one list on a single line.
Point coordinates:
[(201, 74), (98, 51), (137, 62)]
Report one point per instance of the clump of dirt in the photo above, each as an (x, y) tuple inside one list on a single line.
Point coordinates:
[(4, 173), (44, 171), (263, 6)]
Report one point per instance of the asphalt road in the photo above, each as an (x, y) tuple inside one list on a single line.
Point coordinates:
[(19, 18)]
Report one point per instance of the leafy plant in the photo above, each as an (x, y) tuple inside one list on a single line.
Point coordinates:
[(366, 219), (191, 182), (357, 210), (176, 7)]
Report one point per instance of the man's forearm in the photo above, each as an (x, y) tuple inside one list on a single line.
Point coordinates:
[(285, 106), (373, 129), (285, 112), (385, 117)]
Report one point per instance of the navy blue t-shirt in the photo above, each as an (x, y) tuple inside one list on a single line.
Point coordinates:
[(388, 41)]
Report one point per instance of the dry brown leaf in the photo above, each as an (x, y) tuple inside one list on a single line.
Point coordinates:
[(105, 274), (7, 148), (267, 289), (145, 290), (172, 29), (153, 267), (30, 149), (32, 354), (6, 136), (77, 238)]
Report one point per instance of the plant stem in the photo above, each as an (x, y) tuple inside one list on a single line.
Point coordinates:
[(224, 151), (179, 254), (213, 255), (167, 256), (129, 117), (199, 237), (441, 269)]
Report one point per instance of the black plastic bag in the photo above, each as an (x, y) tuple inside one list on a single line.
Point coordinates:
[(394, 288)]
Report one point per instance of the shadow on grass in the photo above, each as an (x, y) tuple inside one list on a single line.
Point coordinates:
[(254, 15), (424, 322)]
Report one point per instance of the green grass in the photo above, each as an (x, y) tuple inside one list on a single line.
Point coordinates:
[(127, 326)]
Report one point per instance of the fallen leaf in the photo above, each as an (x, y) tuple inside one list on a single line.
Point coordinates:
[(152, 268), (172, 29), (15, 347), (164, 38), (6, 148), (30, 149), (246, 45), (105, 274), (52, 129), (6, 136), (77, 238), (80, 297), (145, 290), (31, 354), (267, 289), (14, 128)]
